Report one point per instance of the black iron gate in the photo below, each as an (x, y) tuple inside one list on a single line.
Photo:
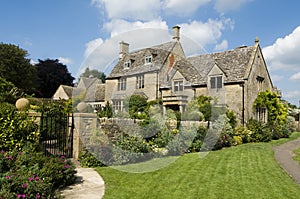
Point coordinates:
[(57, 134)]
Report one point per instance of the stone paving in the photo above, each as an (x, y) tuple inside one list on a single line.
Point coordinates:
[(89, 185), (284, 155)]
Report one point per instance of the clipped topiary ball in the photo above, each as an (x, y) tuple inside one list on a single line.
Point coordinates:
[(82, 107), (22, 104)]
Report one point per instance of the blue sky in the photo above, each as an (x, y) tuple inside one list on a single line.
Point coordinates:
[(71, 30)]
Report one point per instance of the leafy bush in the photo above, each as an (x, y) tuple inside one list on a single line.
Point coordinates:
[(198, 140), (244, 133), (32, 175), (87, 159), (17, 129), (106, 111)]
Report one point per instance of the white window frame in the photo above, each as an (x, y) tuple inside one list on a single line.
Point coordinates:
[(148, 59), (127, 64), (178, 85), (216, 82), (122, 84), (140, 82)]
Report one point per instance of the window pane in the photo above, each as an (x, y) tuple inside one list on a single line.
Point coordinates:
[(213, 82), (219, 82)]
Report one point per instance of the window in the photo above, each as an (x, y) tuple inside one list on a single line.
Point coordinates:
[(148, 59), (260, 81), (216, 82), (261, 114), (122, 84), (178, 85), (140, 82), (117, 105), (127, 64)]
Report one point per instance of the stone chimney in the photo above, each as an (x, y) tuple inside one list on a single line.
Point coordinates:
[(176, 33), (124, 49)]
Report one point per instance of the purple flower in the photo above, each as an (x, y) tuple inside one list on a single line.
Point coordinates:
[(8, 177), (18, 195), (24, 186), (30, 179), (23, 196), (38, 195), (2, 151), (67, 166), (36, 178), (63, 157)]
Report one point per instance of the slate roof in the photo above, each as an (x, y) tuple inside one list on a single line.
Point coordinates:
[(159, 53), (68, 90), (233, 63)]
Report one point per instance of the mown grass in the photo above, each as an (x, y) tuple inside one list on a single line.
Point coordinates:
[(245, 171)]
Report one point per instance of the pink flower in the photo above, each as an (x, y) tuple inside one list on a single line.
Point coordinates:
[(8, 177), (63, 157), (36, 178), (38, 195), (24, 186), (18, 195), (23, 196), (30, 179), (67, 166)]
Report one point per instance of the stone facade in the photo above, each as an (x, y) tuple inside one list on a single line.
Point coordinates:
[(233, 77)]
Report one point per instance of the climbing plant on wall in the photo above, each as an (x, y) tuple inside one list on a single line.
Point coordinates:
[(277, 110)]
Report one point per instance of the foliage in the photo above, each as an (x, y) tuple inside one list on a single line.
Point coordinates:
[(136, 105), (232, 118), (244, 133), (277, 111), (8, 92), (87, 159), (33, 175), (16, 68), (17, 129), (51, 74), (95, 73), (198, 140), (106, 111), (223, 126)]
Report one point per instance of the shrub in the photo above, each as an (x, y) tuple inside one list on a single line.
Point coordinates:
[(198, 140), (244, 133), (32, 175), (87, 159), (17, 129)]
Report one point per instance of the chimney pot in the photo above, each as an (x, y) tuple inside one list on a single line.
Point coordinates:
[(176, 33), (124, 49)]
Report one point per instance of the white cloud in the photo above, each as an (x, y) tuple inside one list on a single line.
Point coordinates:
[(223, 6), (105, 55), (65, 60), (182, 7), (276, 78), (130, 9), (284, 53), (206, 33), (295, 77), (292, 95), (91, 46), (222, 46), (119, 26)]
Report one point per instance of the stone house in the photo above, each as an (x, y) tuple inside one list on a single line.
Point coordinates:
[(233, 77), (89, 90)]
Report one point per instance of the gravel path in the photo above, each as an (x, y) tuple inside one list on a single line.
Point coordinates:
[(284, 155)]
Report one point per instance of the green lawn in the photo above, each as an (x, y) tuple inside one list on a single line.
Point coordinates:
[(246, 171)]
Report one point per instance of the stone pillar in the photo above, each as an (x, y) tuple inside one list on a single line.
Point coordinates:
[(84, 126)]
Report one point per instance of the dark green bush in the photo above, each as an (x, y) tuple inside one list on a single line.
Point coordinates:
[(87, 159), (33, 175)]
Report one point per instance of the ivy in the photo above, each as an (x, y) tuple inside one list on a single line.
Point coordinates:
[(277, 111)]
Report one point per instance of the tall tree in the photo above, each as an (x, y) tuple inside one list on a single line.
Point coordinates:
[(51, 74), (95, 73), (16, 68)]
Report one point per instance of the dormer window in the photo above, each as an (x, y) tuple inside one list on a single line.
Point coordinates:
[(148, 59), (127, 64), (216, 82), (178, 85)]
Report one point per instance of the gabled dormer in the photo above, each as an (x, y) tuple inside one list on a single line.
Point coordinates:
[(216, 78)]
